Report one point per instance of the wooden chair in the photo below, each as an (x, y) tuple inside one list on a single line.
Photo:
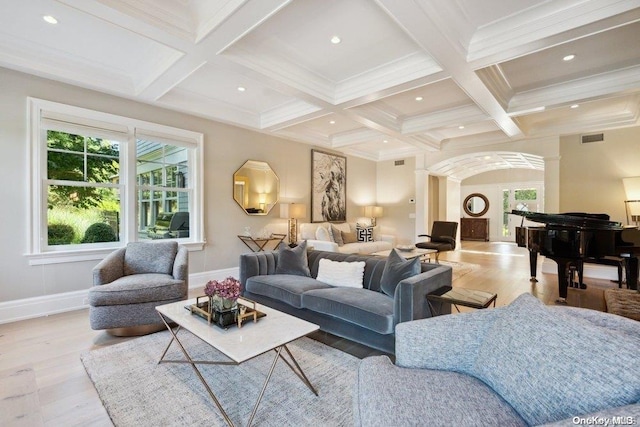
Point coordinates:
[(442, 237)]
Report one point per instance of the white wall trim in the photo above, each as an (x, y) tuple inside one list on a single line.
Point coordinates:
[(30, 308)]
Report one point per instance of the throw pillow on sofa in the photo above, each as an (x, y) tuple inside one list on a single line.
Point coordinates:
[(337, 235), (349, 237), (293, 260), (396, 270), (341, 273), (323, 234), (364, 233)]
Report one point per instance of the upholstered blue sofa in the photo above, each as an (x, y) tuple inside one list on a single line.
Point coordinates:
[(366, 315), (523, 364)]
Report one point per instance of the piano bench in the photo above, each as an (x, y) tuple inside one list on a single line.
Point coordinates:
[(623, 302)]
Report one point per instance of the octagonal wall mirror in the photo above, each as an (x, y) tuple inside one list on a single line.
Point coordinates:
[(476, 204), (256, 187)]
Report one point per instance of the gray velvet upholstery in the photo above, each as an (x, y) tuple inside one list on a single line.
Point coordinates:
[(293, 260), (366, 315), (130, 282), (397, 269), (524, 364)]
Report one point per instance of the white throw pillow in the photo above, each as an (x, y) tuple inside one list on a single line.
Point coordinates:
[(323, 234), (345, 274)]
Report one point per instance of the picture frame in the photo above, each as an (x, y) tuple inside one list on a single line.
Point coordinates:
[(328, 187)]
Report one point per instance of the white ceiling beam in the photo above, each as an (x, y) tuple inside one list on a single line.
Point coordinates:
[(421, 23)]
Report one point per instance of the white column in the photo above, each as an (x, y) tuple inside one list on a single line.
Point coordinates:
[(422, 202), (552, 184), (450, 202)]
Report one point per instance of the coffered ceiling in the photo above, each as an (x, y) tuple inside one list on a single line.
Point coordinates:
[(378, 79)]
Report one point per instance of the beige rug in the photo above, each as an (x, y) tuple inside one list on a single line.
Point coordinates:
[(460, 268), (136, 391)]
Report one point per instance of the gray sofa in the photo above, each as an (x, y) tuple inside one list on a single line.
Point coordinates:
[(364, 315), (524, 364)]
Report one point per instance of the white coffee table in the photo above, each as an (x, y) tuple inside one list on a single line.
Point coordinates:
[(272, 332), (414, 253)]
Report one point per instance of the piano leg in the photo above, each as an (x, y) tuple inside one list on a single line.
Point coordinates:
[(631, 267), (566, 271), (533, 265)]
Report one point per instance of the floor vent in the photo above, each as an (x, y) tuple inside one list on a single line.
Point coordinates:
[(399, 162), (596, 137)]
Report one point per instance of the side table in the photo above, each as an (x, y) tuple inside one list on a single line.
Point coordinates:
[(259, 244), (461, 296)]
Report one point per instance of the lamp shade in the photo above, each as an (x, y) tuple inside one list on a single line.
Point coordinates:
[(293, 210), (632, 187), (373, 211)]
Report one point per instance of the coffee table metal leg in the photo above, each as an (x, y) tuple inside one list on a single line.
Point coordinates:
[(197, 371), (298, 370)]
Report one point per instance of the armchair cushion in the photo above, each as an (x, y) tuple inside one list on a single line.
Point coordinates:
[(552, 376), (397, 269), (139, 288), (143, 257)]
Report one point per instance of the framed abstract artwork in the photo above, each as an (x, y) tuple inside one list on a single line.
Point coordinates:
[(328, 187)]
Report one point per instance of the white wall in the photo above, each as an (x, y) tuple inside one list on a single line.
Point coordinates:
[(226, 149)]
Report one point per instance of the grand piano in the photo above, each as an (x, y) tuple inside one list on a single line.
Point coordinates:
[(574, 238)]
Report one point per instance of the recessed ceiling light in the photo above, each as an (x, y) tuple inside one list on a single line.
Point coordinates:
[(50, 19), (335, 40), (460, 127), (568, 57), (487, 157), (384, 141), (575, 106), (241, 88), (332, 122), (419, 98)]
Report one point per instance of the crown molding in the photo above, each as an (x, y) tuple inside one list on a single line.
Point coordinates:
[(495, 80), (450, 117), (291, 111), (540, 22), (604, 85)]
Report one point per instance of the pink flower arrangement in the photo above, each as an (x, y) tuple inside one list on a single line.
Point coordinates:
[(228, 288)]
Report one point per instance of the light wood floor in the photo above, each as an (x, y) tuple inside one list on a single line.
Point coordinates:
[(43, 382)]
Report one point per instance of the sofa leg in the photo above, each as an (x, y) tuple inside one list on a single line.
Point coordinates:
[(133, 331)]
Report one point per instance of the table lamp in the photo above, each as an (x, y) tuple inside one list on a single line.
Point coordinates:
[(373, 212), (293, 212)]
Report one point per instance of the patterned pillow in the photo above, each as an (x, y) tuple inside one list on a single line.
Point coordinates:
[(365, 233)]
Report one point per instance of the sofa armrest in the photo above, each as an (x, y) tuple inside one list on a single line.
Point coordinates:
[(411, 293), (257, 264), (322, 245), (110, 268), (444, 342)]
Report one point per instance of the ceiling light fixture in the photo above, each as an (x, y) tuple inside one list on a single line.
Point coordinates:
[(575, 106), (384, 141), (332, 122), (50, 19), (460, 127), (487, 157), (419, 98), (241, 88), (568, 57), (335, 40)]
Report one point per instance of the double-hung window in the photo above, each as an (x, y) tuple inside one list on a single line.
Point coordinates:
[(99, 181)]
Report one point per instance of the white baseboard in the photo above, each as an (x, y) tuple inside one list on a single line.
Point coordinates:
[(29, 308), (594, 271)]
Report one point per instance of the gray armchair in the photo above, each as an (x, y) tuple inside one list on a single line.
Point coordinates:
[(129, 283)]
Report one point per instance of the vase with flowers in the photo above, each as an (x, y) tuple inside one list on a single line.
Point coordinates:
[(223, 294)]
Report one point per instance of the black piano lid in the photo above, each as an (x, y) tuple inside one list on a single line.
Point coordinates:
[(574, 219)]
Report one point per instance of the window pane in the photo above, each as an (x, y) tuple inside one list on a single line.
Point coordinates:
[(165, 218), (71, 158), (78, 215), (166, 164), (528, 194)]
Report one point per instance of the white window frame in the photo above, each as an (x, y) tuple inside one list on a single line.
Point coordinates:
[(39, 111)]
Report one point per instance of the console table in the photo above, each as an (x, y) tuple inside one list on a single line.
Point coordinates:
[(259, 244)]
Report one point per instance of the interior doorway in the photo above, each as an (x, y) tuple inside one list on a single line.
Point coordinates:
[(519, 197)]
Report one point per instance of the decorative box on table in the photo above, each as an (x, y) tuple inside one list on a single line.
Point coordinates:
[(225, 315)]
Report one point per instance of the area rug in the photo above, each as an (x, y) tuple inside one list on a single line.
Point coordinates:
[(136, 391), (460, 268)]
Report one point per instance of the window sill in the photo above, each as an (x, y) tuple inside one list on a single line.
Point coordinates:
[(61, 257)]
